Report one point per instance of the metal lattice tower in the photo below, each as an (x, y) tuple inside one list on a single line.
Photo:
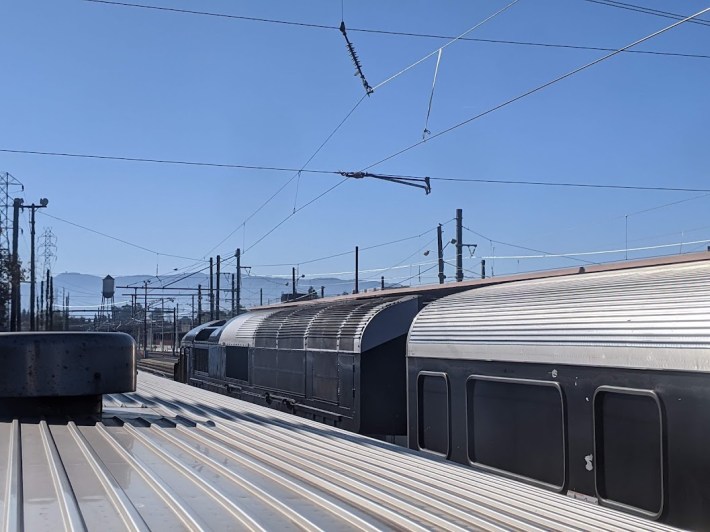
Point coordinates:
[(9, 187), (48, 248)]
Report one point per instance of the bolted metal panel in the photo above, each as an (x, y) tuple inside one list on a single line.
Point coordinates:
[(173, 457), (663, 309)]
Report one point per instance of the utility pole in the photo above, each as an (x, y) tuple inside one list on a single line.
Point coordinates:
[(42, 308), (211, 289), (382, 282), (47, 310), (440, 250), (43, 202), (238, 254), (483, 268), (293, 282), (192, 307), (216, 306), (175, 328), (357, 260), (50, 317), (145, 319), (261, 296), (15, 305), (199, 304), (232, 314), (322, 292), (459, 245)]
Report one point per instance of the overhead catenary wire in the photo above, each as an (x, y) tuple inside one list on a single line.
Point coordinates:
[(297, 174), (389, 32), (452, 41), (340, 172), (538, 88), (647, 10)]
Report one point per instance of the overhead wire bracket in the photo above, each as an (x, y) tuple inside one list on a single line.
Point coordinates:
[(417, 182), (356, 61)]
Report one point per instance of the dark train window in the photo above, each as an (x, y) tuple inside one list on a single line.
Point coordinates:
[(200, 359), (517, 426), (204, 334), (237, 363), (628, 448), (433, 412)]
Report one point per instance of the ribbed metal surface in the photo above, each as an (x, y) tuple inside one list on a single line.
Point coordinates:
[(666, 308), (173, 457), (329, 326), (240, 330)]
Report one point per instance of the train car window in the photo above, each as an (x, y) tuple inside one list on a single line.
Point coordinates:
[(237, 363), (628, 448), (517, 426), (201, 359), (433, 412)]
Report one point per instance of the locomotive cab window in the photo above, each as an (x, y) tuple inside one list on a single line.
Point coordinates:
[(237, 363), (517, 426), (433, 412), (628, 449)]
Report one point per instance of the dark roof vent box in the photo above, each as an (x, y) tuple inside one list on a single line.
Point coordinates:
[(55, 373)]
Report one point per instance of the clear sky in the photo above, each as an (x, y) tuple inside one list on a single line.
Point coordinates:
[(89, 78)]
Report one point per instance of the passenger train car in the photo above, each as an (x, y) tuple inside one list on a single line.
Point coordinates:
[(596, 384), (590, 383)]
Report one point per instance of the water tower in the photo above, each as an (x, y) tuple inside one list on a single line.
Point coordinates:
[(107, 294)]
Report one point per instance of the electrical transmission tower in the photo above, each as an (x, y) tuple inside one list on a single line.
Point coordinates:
[(48, 249), (9, 187)]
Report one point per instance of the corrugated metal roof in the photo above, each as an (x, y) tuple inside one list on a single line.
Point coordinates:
[(434, 291), (173, 457), (330, 326), (666, 308), (240, 330)]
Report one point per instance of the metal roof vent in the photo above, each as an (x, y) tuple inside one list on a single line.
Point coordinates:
[(54, 373)]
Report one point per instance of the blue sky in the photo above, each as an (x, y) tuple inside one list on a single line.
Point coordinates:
[(82, 77)]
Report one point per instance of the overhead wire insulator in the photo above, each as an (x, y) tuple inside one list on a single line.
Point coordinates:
[(356, 61)]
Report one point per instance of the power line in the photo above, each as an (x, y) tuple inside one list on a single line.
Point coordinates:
[(339, 172), (388, 32), (137, 246), (160, 161), (296, 174), (538, 88), (452, 41), (647, 11), (559, 184)]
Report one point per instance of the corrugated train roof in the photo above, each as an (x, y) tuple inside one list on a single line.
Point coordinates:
[(173, 457), (664, 308)]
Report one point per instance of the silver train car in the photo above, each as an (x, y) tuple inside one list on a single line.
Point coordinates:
[(597, 385)]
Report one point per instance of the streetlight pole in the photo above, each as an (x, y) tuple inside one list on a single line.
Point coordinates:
[(43, 202)]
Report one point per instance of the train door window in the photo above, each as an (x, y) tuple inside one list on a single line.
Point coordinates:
[(237, 363), (628, 449), (433, 412), (201, 359), (517, 426)]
